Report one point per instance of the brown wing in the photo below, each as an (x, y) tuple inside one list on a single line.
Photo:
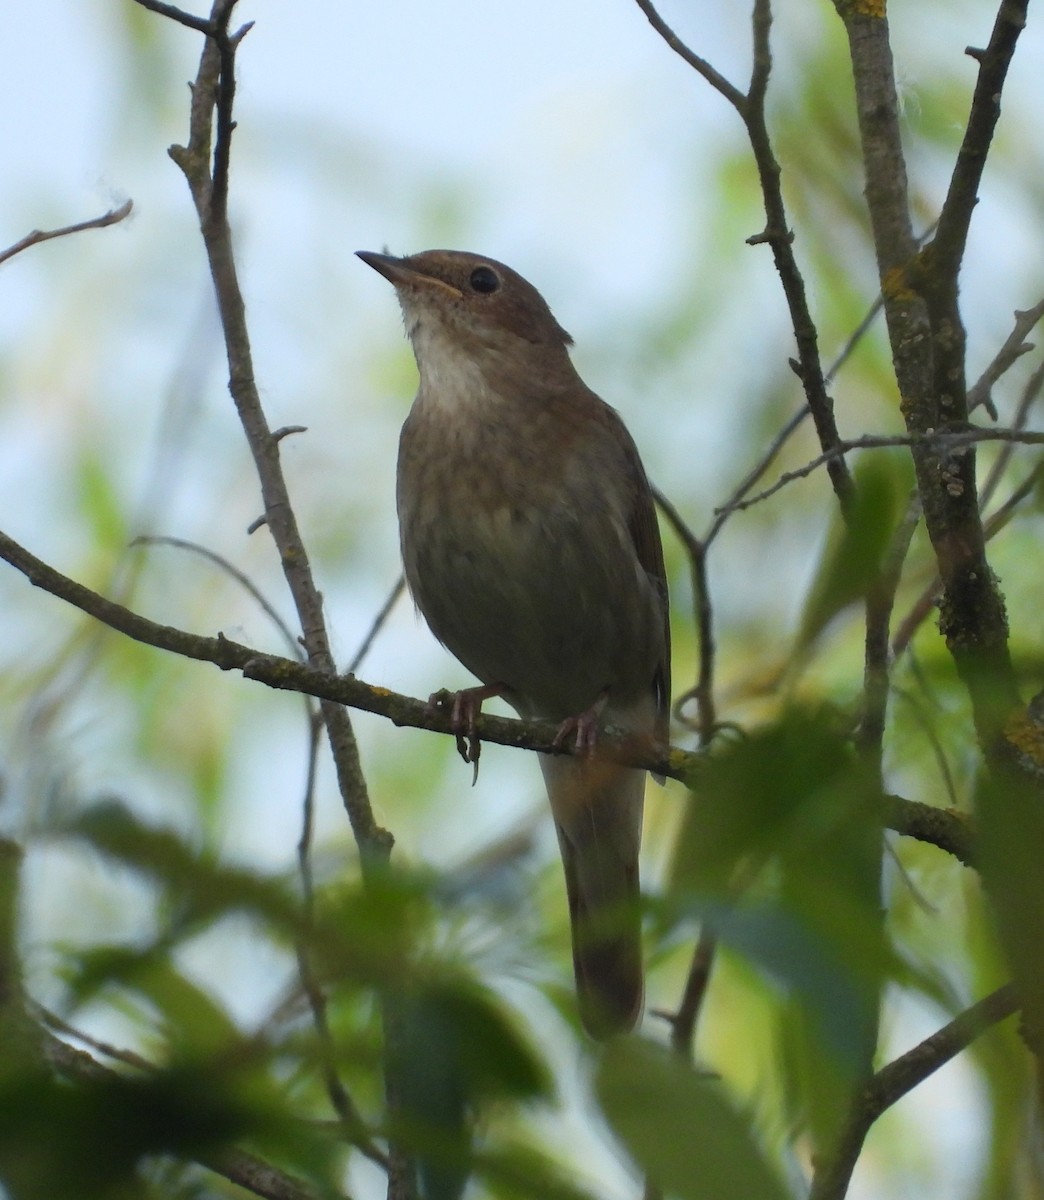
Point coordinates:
[(647, 545)]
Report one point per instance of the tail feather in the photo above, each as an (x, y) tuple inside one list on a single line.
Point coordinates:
[(598, 816)]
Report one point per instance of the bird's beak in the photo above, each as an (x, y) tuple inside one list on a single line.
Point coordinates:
[(401, 273)]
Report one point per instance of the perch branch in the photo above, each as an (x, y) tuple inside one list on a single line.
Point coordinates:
[(287, 675)]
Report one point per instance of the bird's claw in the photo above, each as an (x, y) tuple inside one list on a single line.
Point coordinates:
[(584, 727), (465, 709)]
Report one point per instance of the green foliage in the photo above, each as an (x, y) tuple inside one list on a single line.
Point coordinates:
[(138, 926), (779, 855), (456, 1052), (854, 554), (680, 1127)]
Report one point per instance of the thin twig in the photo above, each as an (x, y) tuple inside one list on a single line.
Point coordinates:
[(226, 93), (200, 24), (717, 81), (962, 196), (999, 518), (735, 502), (994, 523), (353, 1127), (378, 624), (213, 90), (54, 1022), (751, 108), (725, 510), (235, 573), (685, 1020), (112, 217), (901, 1076), (781, 241), (1026, 401), (1014, 347), (936, 746), (703, 689), (950, 441)]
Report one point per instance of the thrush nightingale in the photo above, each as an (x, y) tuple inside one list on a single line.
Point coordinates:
[(530, 544)]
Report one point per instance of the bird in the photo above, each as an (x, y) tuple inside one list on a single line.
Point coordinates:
[(531, 548)]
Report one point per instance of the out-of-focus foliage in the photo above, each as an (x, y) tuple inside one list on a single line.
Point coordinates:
[(168, 921), (681, 1128)]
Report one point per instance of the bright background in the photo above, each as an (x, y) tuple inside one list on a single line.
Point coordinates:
[(564, 139)]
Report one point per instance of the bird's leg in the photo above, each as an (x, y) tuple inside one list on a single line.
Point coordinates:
[(584, 726), (465, 709)]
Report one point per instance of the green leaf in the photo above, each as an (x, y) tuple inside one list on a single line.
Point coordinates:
[(195, 1024), (853, 555), (520, 1172), (681, 1128), (99, 502), (1011, 833), (456, 1050), (788, 792), (202, 888), (780, 855)]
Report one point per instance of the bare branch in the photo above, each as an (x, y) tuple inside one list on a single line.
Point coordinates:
[(717, 81), (928, 352), (326, 685), (129, 1058), (950, 439), (993, 524), (286, 675), (378, 624), (112, 217), (947, 248), (230, 569), (703, 690), (736, 502), (943, 828), (212, 98), (1014, 347), (352, 1125), (1029, 396), (200, 24), (778, 236), (685, 1020), (898, 1078)]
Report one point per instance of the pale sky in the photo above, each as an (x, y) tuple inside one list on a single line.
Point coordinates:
[(561, 137)]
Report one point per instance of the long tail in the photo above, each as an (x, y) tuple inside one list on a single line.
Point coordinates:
[(598, 814)]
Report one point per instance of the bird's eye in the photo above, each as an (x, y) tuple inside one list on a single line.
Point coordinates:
[(484, 279)]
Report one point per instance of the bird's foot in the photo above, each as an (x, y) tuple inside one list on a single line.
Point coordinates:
[(465, 709), (584, 727)]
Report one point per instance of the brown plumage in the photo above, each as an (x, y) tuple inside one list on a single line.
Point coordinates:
[(531, 547)]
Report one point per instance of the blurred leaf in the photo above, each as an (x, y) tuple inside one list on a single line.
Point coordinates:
[(854, 551), (1010, 807), (202, 889), (194, 1023), (780, 854), (456, 1051), (461, 1022), (681, 1128), (519, 1172), (784, 792), (99, 503), (82, 1141)]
